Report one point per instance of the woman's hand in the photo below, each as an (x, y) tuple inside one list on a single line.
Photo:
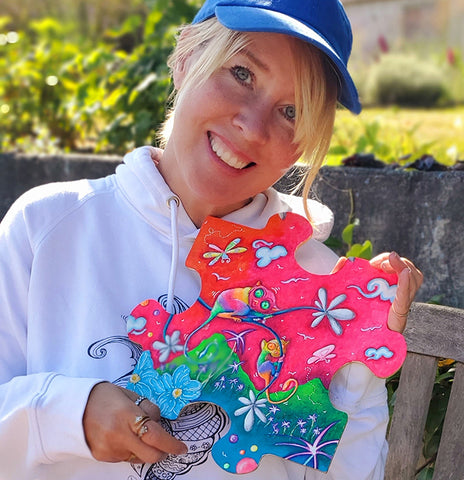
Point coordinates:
[(409, 280), (116, 429)]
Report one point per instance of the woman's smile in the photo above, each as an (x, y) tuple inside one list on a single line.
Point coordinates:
[(225, 154)]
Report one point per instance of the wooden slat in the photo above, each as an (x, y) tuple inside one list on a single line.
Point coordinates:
[(436, 330), (409, 416), (450, 459)]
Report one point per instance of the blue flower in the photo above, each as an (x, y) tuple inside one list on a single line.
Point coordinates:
[(170, 392), (143, 377), (175, 391)]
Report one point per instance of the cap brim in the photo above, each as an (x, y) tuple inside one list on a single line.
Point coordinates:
[(252, 19)]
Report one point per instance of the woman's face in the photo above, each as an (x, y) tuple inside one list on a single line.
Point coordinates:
[(232, 136)]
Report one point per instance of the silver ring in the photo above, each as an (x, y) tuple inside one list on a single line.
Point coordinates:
[(139, 400)]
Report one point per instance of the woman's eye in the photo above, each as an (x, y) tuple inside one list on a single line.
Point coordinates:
[(289, 112), (242, 74)]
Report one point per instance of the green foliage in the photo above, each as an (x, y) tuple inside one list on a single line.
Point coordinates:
[(405, 80), (453, 69), (138, 84), (81, 95), (371, 138), (356, 249), (397, 135), (31, 93), (346, 244)]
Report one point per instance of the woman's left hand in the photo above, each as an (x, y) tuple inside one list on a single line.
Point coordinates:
[(409, 280)]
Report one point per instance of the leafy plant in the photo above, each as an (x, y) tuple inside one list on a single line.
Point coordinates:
[(397, 135), (30, 89), (137, 84), (106, 97), (363, 250), (346, 246)]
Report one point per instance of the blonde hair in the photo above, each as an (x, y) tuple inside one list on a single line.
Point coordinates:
[(316, 87)]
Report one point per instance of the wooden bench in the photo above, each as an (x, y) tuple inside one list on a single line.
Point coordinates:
[(432, 332)]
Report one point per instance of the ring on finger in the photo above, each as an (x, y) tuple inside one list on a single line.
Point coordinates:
[(139, 424), (400, 314), (139, 400), (131, 459)]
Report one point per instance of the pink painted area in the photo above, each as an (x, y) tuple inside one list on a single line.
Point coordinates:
[(246, 465), (239, 292)]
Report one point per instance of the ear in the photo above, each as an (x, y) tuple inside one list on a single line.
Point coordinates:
[(180, 68)]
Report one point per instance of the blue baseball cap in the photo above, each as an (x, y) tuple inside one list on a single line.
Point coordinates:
[(322, 23)]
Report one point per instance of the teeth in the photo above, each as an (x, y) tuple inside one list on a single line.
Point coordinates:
[(225, 154)]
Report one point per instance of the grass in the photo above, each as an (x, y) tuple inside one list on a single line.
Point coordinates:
[(393, 133)]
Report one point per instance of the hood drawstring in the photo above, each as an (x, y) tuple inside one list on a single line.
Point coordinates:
[(173, 204)]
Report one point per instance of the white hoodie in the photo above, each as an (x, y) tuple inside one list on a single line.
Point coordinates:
[(75, 259)]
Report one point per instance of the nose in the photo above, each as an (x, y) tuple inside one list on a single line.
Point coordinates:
[(253, 119)]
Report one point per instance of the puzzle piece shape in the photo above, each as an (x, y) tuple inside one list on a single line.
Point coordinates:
[(263, 341)]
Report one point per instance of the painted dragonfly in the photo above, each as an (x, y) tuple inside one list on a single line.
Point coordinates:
[(223, 254)]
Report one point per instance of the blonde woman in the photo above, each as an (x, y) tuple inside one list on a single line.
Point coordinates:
[(256, 88)]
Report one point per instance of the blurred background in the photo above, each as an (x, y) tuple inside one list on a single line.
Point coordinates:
[(91, 76)]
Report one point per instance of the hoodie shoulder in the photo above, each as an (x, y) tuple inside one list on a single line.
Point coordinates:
[(322, 218), (44, 206)]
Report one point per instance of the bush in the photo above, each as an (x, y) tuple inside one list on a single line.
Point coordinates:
[(405, 80), (69, 94)]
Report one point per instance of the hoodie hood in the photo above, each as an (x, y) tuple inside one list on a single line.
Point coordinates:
[(146, 190)]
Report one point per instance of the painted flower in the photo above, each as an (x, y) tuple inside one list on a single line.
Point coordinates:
[(334, 315), (175, 391), (310, 452), (143, 376), (171, 346), (251, 408), (312, 417), (274, 409), (238, 339)]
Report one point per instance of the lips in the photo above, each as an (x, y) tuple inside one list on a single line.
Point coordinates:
[(225, 154)]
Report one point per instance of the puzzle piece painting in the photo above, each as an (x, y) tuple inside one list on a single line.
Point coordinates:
[(262, 342)]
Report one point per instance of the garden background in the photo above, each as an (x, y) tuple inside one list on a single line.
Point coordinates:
[(90, 76)]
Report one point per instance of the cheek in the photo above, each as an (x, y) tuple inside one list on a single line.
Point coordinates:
[(282, 144), (202, 101), (291, 150)]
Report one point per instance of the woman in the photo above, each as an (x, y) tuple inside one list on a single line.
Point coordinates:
[(256, 88)]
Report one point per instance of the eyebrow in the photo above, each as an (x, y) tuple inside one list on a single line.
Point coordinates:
[(255, 60)]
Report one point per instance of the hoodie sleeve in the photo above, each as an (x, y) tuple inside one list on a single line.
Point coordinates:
[(40, 413)]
